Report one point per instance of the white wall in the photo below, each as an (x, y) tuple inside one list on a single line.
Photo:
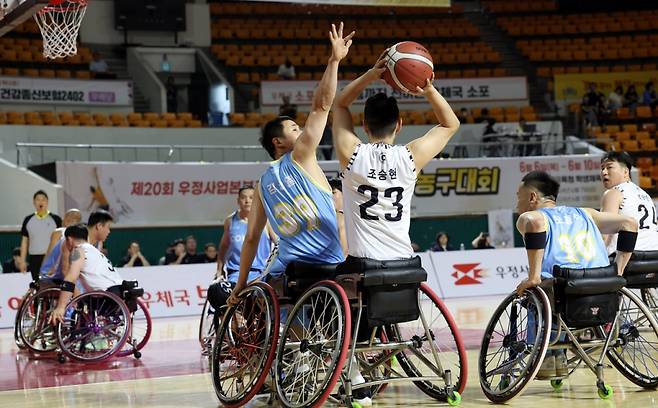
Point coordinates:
[(19, 185), (206, 136), (98, 27)]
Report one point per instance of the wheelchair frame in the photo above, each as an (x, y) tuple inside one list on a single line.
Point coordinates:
[(54, 342), (391, 351), (607, 339)]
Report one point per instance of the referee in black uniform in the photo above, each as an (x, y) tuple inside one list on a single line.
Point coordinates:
[(35, 233)]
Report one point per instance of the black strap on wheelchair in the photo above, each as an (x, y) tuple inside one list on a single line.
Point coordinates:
[(67, 286), (535, 240), (626, 241)]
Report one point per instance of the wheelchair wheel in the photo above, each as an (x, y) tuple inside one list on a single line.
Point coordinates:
[(207, 329), (634, 351), (96, 326), (245, 344), (650, 298), (313, 346), (140, 331), (34, 330), (446, 342), (17, 321), (514, 344)]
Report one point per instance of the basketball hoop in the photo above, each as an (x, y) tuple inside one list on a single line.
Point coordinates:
[(59, 23)]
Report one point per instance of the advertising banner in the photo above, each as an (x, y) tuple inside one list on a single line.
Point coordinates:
[(481, 272), (65, 91), (573, 87), (172, 290), (453, 90), (165, 193)]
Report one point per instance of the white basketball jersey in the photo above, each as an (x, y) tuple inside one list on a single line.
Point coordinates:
[(378, 183), (636, 203), (97, 273)]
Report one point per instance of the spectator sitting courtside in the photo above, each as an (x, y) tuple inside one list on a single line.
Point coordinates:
[(210, 253), (13, 265), (134, 257), (482, 241), (442, 243)]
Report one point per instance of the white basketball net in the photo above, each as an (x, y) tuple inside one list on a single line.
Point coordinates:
[(59, 25)]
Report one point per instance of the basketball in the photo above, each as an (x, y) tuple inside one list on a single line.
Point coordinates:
[(409, 64)]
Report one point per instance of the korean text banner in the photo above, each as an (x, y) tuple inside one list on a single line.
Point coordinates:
[(193, 193), (454, 90), (399, 3), (172, 290), (65, 91), (573, 87), (480, 272)]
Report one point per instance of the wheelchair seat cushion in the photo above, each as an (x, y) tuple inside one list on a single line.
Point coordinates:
[(565, 274), (642, 270), (303, 270), (594, 286), (359, 265), (300, 276), (391, 277)]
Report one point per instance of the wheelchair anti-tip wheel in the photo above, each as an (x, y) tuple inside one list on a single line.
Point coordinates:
[(634, 351), (435, 322), (313, 346), (33, 328), (244, 348), (140, 331), (514, 344), (96, 326)]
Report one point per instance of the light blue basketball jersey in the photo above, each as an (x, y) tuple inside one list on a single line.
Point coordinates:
[(54, 260), (302, 214), (237, 232), (572, 241)]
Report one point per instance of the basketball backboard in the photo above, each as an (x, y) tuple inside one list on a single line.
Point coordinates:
[(14, 12)]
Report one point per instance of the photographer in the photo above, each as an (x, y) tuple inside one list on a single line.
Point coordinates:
[(482, 241)]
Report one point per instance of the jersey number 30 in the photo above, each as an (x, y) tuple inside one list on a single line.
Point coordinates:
[(374, 198)]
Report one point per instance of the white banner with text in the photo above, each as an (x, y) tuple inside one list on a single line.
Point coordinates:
[(172, 290), (162, 193), (453, 90), (481, 272), (180, 290), (65, 91)]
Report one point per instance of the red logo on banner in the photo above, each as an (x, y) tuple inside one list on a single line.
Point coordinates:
[(470, 274)]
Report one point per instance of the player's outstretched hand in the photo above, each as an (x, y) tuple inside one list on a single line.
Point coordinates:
[(340, 45), (234, 299), (429, 87)]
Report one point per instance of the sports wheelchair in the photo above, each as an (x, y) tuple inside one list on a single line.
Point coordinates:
[(380, 316), (97, 325), (600, 317)]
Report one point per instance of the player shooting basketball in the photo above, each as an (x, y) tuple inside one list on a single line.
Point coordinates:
[(379, 177)]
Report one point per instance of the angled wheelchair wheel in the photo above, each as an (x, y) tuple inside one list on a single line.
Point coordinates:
[(514, 344), (34, 330), (435, 336), (96, 326), (650, 298), (244, 348), (634, 348), (140, 331), (207, 329), (17, 320), (313, 346)]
